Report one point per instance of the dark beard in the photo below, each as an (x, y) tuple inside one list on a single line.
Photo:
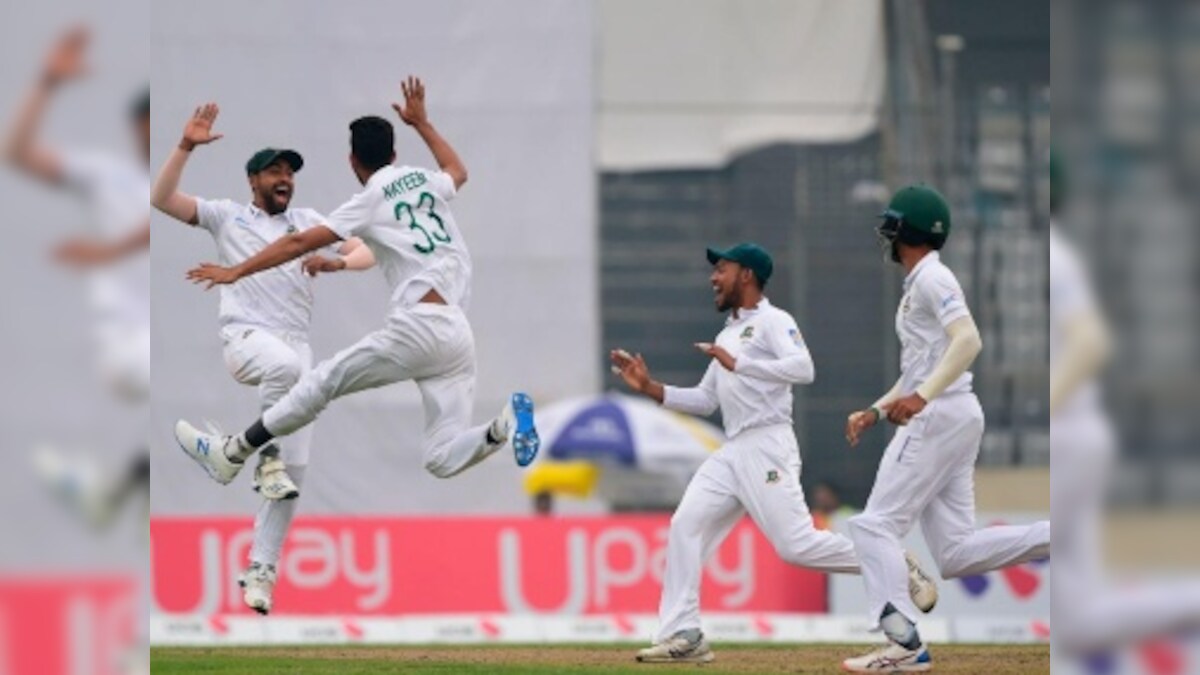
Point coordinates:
[(732, 299), (271, 204)]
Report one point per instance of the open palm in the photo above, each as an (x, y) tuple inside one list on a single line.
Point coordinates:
[(199, 128), (68, 58)]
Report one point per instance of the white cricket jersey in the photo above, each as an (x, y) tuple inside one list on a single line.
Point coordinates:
[(402, 213), (279, 298), (932, 300), (770, 357), (117, 192), (1070, 296)]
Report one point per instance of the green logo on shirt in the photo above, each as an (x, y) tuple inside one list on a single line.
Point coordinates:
[(772, 476), (748, 333)]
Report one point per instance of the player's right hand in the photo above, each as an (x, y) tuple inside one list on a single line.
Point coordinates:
[(66, 59), (858, 422), (413, 110), (631, 368), (198, 130), (315, 264)]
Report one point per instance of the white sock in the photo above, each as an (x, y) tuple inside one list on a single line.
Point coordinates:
[(898, 628)]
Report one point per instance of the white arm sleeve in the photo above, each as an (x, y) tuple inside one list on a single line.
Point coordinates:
[(211, 214), (891, 395), (442, 184), (792, 363), (347, 219), (1085, 349), (700, 400), (965, 345)]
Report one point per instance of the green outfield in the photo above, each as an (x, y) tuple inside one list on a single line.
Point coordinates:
[(591, 659)]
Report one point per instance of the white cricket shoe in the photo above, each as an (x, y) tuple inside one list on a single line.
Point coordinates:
[(921, 587), (893, 658), (208, 450), (258, 583), (271, 480), (678, 649), (77, 483), (515, 423)]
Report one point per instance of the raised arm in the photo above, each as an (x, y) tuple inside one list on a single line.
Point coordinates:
[(22, 147), (413, 114), (165, 196)]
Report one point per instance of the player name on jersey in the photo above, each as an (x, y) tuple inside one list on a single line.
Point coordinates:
[(403, 184)]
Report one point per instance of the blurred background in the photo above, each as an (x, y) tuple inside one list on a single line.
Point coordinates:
[(73, 545), (609, 142)]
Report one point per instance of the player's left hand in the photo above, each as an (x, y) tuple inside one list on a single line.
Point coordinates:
[(904, 409), (315, 264), (718, 352), (212, 274), (83, 253), (413, 110)]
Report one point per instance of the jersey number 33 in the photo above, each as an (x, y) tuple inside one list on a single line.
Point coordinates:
[(423, 219)]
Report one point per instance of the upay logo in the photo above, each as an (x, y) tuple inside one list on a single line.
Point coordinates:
[(1023, 581), (568, 566)]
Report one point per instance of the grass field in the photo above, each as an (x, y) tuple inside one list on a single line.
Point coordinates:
[(591, 659)]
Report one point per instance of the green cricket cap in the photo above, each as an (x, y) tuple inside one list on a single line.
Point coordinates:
[(751, 256), (268, 156)]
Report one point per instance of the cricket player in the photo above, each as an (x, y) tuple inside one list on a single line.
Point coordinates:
[(403, 214), (756, 360), (927, 471), (1089, 612), (115, 189), (264, 322)]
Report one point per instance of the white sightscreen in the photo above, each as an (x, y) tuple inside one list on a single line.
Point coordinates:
[(689, 83)]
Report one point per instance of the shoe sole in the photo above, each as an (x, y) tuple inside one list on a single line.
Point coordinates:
[(706, 657), (525, 439), (922, 668)]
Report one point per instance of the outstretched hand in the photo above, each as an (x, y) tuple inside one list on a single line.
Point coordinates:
[(198, 130), (212, 275), (66, 60), (858, 422), (631, 368), (413, 111)]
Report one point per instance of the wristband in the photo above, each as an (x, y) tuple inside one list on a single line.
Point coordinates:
[(877, 411)]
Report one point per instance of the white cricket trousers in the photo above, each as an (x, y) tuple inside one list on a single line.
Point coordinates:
[(756, 472), (273, 361), (430, 344), (1088, 611), (928, 473)]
